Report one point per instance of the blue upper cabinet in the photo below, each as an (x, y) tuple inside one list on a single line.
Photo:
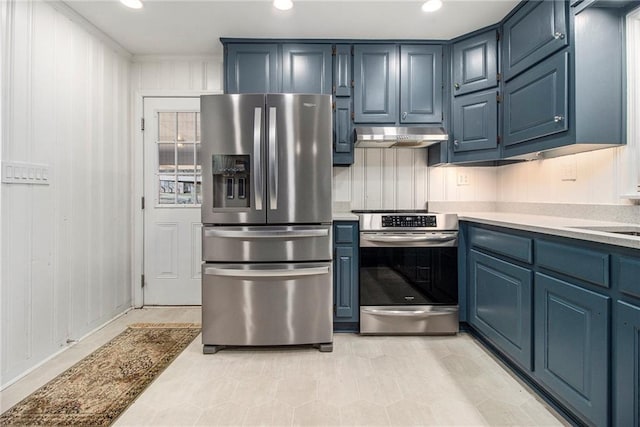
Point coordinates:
[(475, 122), (342, 70), (375, 83), (343, 133), (420, 84), (536, 103), (306, 68), (534, 32), (475, 63), (251, 68), (379, 78)]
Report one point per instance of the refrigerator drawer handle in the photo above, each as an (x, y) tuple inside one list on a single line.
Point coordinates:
[(416, 313), (273, 159), (285, 234), (399, 239), (257, 157), (231, 272)]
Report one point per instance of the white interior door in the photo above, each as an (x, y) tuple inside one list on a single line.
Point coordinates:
[(172, 193)]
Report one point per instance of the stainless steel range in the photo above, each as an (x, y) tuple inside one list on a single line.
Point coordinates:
[(408, 273)]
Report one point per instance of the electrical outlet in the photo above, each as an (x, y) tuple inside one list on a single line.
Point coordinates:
[(462, 178), (569, 171)]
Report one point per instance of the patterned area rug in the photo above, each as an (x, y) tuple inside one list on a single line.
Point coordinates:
[(96, 390)]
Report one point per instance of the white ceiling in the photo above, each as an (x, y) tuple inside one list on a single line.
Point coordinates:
[(185, 27)]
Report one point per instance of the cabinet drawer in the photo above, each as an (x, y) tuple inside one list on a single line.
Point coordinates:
[(519, 248), (345, 233), (626, 275), (534, 32), (584, 264)]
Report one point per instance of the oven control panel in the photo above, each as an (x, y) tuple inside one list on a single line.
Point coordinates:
[(405, 221)]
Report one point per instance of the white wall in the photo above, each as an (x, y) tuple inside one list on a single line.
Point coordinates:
[(177, 74), (66, 247), (383, 179)]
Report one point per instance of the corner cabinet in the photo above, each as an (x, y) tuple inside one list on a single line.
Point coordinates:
[(475, 95), (346, 301), (564, 314), (397, 84)]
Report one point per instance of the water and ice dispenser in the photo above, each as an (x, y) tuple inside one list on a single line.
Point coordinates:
[(231, 181)]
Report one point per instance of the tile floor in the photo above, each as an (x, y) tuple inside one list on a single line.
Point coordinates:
[(368, 381)]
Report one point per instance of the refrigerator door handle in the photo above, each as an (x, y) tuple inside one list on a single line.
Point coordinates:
[(257, 156), (273, 160), (256, 234), (232, 272)]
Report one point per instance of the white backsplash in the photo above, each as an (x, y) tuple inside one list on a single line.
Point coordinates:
[(383, 179)]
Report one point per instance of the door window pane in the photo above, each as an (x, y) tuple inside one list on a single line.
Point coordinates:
[(167, 126), (166, 158), (186, 190), (167, 189), (198, 127), (186, 127), (186, 153)]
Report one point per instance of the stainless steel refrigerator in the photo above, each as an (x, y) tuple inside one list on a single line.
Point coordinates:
[(266, 214)]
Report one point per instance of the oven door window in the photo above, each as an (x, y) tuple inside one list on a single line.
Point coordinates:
[(409, 276)]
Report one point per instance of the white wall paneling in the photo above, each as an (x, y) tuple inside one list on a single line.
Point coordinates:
[(66, 247), (383, 179)]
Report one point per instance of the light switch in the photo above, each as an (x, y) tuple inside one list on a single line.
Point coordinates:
[(25, 173)]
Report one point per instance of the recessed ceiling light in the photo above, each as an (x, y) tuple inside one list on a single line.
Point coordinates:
[(133, 4), (431, 5), (283, 4)]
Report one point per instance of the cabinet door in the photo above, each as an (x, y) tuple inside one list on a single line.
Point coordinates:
[(306, 68), (375, 83), (342, 70), (536, 102), (420, 84), (475, 63), (475, 121), (572, 346), (627, 367), (342, 132), (252, 68), (501, 305), (346, 305), (533, 33)]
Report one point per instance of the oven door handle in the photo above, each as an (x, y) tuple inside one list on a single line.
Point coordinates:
[(402, 238), (420, 313)]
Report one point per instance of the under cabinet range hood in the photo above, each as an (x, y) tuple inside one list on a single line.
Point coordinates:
[(399, 137)]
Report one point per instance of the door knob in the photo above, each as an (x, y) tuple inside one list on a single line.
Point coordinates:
[(456, 143), (404, 115), (456, 86), (558, 118), (558, 35)]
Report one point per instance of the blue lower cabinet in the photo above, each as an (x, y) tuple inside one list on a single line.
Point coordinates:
[(627, 366), (572, 346), (345, 277), (500, 305)]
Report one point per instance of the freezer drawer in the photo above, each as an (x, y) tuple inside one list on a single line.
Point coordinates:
[(266, 304), (266, 243)]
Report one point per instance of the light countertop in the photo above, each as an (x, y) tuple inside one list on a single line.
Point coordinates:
[(345, 216), (557, 226)]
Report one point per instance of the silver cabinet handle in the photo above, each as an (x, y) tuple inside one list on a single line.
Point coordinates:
[(399, 239), (273, 160), (271, 234), (417, 313), (456, 143), (558, 35), (456, 86), (404, 115), (257, 157), (232, 272), (557, 119)]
